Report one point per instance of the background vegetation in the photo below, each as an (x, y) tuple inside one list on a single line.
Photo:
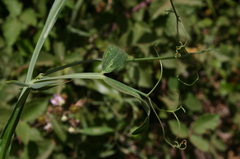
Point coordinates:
[(96, 121)]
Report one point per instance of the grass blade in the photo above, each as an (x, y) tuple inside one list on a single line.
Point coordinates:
[(135, 93), (8, 132), (52, 17)]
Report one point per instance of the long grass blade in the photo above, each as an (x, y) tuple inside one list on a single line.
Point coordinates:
[(52, 17), (8, 132), (135, 93)]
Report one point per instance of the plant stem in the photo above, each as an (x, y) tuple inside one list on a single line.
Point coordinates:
[(128, 60), (177, 19), (8, 132)]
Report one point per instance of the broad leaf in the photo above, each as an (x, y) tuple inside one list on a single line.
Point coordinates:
[(35, 135), (113, 59), (34, 109), (192, 103), (11, 30), (14, 7), (182, 133), (205, 122), (29, 17), (200, 143)]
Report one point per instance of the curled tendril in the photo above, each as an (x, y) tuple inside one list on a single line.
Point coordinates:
[(194, 64), (154, 107), (181, 146), (189, 84), (181, 46), (161, 69), (178, 48)]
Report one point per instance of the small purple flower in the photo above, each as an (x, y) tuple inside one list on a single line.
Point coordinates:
[(48, 127), (57, 100)]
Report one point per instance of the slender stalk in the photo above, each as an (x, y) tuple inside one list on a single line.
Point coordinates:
[(128, 60), (70, 65), (177, 19), (72, 76)]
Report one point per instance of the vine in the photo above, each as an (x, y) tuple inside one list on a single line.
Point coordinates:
[(113, 59)]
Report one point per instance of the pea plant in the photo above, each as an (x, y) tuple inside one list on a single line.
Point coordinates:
[(113, 59)]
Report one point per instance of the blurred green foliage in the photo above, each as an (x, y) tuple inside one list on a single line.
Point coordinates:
[(96, 121)]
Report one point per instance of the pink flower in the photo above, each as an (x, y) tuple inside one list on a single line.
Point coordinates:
[(57, 100), (48, 127)]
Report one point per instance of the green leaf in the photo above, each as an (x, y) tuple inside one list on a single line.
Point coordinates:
[(182, 133), (158, 8), (173, 83), (95, 131), (18, 83), (218, 143), (121, 87), (113, 59), (192, 103), (200, 143), (29, 17), (14, 7), (35, 135), (104, 89), (23, 131), (143, 127), (34, 109), (133, 92), (145, 76), (171, 100), (11, 30), (45, 85), (205, 122)]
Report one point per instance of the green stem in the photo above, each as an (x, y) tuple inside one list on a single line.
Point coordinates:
[(8, 132), (177, 18), (70, 65), (161, 124), (128, 60), (72, 76)]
